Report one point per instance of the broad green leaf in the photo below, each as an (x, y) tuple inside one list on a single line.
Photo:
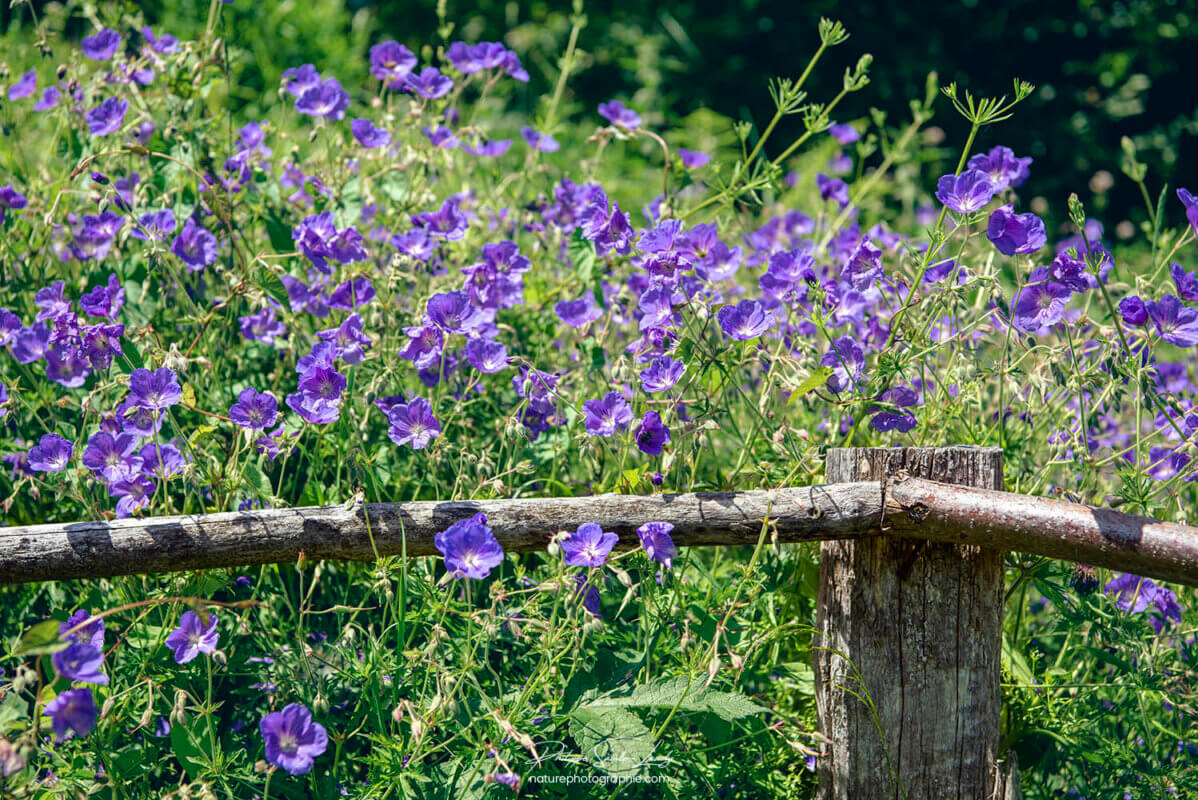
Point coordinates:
[(818, 377), (272, 286), (41, 639), (613, 740), (683, 693)]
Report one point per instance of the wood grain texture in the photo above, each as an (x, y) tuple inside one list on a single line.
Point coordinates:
[(1071, 531), (165, 544), (908, 648)]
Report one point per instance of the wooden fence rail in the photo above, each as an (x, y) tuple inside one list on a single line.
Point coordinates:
[(909, 612), (896, 506)]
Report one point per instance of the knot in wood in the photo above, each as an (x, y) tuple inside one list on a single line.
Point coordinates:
[(815, 512), (918, 512)]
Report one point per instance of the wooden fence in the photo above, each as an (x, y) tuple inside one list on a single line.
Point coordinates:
[(910, 598)]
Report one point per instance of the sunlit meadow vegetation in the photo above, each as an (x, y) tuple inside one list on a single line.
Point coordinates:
[(395, 285)]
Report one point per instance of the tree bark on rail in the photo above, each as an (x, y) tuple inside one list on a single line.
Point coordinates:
[(166, 544), (908, 649)]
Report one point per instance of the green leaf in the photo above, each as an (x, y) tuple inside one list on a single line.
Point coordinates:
[(41, 639), (802, 674), (131, 356), (685, 694), (272, 286), (613, 740), (185, 749), (818, 377)]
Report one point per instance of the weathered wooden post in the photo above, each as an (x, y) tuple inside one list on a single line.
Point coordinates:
[(908, 647)]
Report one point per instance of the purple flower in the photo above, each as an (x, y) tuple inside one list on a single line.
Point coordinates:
[(1002, 167), (293, 740), (164, 44), (298, 80), (1191, 205), (539, 141), (25, 86), (1133, 310), (51, 301), (154, 225), (391, 63), (1176, 323), (832, 189), (107, 117), (31, 344), (101, 46), (744, 321), (605, 417), (442, 137), (453, 313), (368, 135), (195, 246), (847, 361), (71, 713), (262, 326), (652, 435), (475, 58), (693, 159), (317, 238), (133, 494), (661, 374), (605, 225), (447, 223), (81, 661), (430, 83), (353, 293), (161, 461), (413, 423), (111, 456), (92, 633), (1186, 282), (655, 538), (326, 99), (193, 636), (589, 546), (11, 198), (577, 313), (1040, 305), (425, 345), (1015, 233), (965, 193), (254, 410), (155, 390), (1134, 594), (486, 355), (48, 100), (895, 418), (843, 132), (470, 548), (619, 115), (104, 301), (490, 149), (51, 454)]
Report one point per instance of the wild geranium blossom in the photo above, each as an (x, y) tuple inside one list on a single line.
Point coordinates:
[(606, 416), (254, 410), (72, 713), (470, 548), (51, 454), (589, 546), (193, 636), (1015, 233), (293, 740), (413, 423), (655, 538), (965, 193)]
